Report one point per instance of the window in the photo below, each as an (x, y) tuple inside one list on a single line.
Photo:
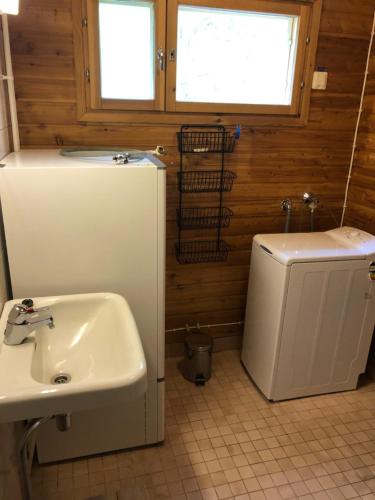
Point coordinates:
[(127, 45), (227, 56), (123, 38), (213, 56)]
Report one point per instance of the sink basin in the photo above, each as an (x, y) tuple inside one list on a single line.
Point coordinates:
[(92, 358)]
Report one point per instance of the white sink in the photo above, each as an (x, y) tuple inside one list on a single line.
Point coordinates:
[(95, 343)]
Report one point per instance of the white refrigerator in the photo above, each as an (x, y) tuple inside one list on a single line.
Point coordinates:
[(77, 225)]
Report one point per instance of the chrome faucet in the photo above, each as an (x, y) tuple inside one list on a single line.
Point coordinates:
[(122, 158), (23, 319), (311, 201), (286, 206)]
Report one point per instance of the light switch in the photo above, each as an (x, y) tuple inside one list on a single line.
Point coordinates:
[(320, 80)]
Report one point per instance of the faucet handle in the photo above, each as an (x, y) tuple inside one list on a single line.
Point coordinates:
[(21, 312), (39, 309), (310, 200), (28, 302), (18, 313)]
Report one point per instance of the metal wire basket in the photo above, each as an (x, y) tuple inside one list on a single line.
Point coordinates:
[(205, 181), (195, 252), (206, 142), (203, 217)]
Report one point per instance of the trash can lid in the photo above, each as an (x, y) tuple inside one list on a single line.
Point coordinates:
[(199, 342)]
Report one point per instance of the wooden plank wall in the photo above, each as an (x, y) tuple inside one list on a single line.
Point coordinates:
[(360, 211), (361, 198), (271, 163)]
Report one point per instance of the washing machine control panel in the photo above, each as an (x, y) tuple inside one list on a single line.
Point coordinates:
[(357, 235), (355, 238)]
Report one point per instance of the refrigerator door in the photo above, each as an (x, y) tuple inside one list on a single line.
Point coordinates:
[(90, 229), (161, 235), (328, 325)]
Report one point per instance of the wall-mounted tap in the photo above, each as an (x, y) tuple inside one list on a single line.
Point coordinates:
[(311, 201), (286, 206), (23, 319)]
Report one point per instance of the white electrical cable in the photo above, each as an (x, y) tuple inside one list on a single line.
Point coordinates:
[(10, 81), (357, 125)]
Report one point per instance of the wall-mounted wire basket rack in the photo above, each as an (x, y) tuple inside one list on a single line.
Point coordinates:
[(203, 217), (195, 252), (205, 181), (203, 139)]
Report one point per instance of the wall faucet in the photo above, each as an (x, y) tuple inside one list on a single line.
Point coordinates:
[(311, 201), (286, 206), (23, 319)]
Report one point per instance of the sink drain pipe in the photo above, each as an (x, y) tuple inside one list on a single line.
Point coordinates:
[(63, 423), (31, 427)]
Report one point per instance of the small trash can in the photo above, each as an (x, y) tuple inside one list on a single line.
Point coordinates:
[(196, 365)]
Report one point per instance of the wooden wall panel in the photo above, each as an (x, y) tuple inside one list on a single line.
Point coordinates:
[(270, 163), (360, 210)]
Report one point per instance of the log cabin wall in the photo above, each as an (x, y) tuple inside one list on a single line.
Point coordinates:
[(360, 211), (271, 163)]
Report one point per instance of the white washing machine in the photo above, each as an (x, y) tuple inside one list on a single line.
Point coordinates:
[(310, 311)]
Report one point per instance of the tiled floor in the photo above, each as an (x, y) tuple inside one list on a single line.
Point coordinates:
[(225, 441)]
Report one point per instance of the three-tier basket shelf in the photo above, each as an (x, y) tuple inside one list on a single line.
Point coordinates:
[(203, 140)]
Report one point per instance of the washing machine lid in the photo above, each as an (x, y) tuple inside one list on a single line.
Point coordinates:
[(337, 244)]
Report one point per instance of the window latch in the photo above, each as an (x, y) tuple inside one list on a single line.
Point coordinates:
[(160, 54)]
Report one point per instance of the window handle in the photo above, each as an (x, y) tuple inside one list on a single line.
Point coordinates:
[(160, 55)]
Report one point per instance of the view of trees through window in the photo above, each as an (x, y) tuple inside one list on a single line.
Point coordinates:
[(226, 56)]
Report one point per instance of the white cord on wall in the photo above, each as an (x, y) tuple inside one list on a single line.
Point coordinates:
[(8, 77), (357, 124)]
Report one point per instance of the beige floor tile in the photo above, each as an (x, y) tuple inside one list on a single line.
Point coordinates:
[(225, 441), (209, 494)]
